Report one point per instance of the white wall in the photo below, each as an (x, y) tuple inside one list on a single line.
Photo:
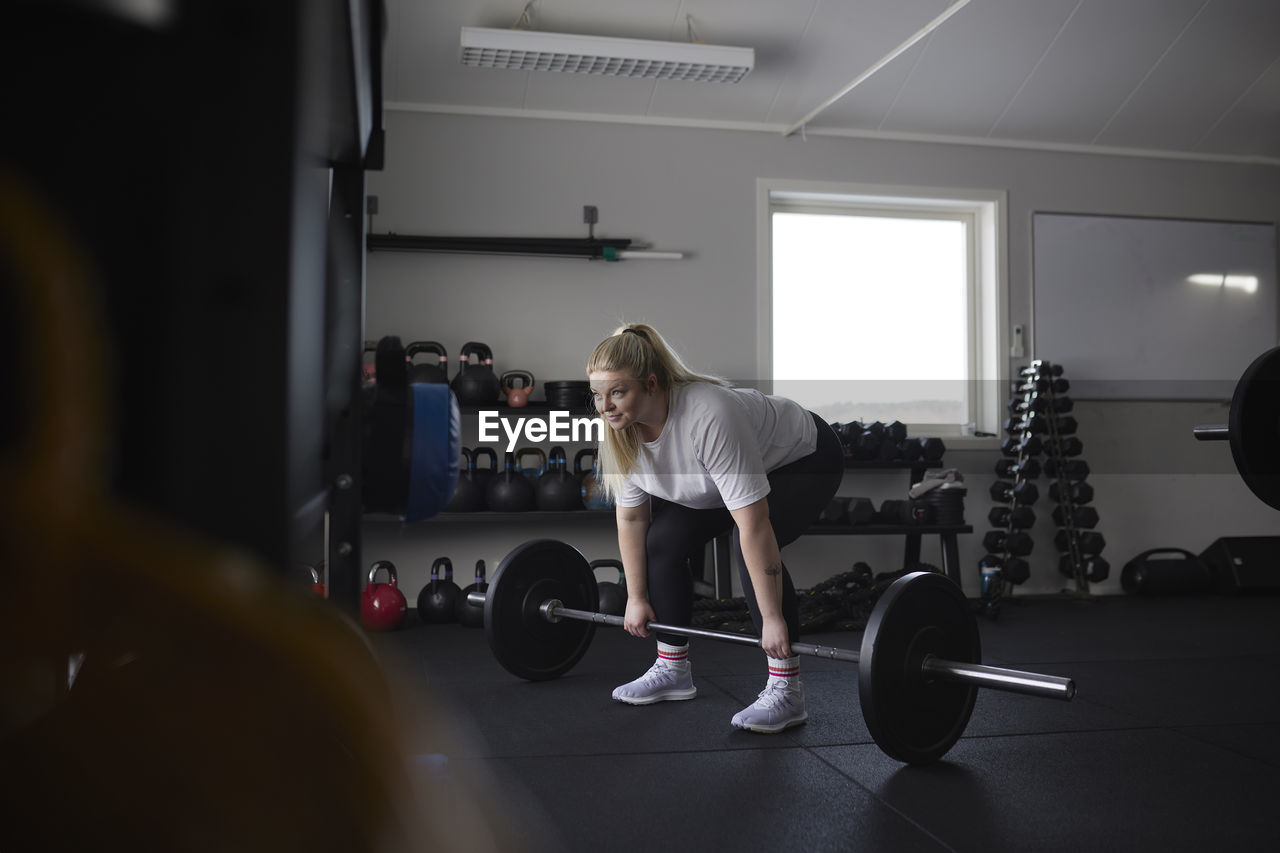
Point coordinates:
[(693, 190)]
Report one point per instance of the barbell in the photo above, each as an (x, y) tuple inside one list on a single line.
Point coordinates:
[(919, 665), (1253, 427)]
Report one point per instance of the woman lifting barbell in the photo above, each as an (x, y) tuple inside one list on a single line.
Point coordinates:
[(686, 459)]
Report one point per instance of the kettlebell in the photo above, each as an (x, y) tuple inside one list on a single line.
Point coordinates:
[(532, 474), (468, 494), (475, 383), (439, 597), (428, 372), (517, 395), (509, 491), (592, 495), (485, 475), (317, 579), (382, 607), (469, 614), (557, 490), (613, 596), (368, 368)]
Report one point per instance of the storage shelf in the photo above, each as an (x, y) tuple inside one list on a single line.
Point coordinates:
[(887, 529), (486, 516)]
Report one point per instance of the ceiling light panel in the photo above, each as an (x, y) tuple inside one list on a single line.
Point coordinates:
[(529, 50)]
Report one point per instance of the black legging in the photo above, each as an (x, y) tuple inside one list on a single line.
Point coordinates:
[(799, 491)]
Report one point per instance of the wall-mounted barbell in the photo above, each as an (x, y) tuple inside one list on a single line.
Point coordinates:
[(1253, 427)]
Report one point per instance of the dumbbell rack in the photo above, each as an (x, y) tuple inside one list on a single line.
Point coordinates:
[(1007, 543), (1080, 547), (1039, 407)]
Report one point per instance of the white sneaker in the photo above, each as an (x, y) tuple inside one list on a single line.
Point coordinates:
[(778, 707), (662, 681)]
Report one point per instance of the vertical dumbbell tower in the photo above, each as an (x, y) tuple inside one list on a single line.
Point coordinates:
[(1079, 545), (1009, 542)]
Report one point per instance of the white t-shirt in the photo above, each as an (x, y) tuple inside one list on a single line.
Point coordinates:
[(717, 447)]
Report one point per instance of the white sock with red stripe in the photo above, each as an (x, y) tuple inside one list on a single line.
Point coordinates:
[(784, 672), (676, 656)]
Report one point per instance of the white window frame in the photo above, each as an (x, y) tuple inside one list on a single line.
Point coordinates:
[(985, 210)]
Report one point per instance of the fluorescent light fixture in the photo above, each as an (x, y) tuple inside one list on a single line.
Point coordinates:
[(1247, 283), (530, 50)]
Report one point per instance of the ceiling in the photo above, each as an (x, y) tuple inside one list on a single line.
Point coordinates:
[(1181, 78)]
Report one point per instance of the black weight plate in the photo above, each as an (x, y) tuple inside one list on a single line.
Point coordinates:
[(912, 719), (525, 643), (1255, 427)]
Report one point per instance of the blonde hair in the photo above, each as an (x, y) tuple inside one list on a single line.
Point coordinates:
[(636, 349)]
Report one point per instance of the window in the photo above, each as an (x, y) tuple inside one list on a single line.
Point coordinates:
[(884, 303)]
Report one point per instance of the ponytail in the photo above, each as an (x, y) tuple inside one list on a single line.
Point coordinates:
[(636, 349)]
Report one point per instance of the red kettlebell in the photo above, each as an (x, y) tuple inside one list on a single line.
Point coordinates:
[(517, 396), (382, 606), (317, 579)]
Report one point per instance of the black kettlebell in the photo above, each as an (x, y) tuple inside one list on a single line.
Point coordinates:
[(468, 493), (509, 491), (428, 372), (475, 383), (613, 596), (439, 598), (557, 490), (485, 475), (469, 614)]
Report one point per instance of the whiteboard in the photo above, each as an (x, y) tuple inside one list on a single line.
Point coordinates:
[(1140, 308)]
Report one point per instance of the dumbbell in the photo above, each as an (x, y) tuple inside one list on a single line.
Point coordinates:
[(1017, 517), (1069, 469), (1023, 492), (1013, 569), (1065, 425), (1039, 369), (895, 432), (1077, 493), (932, 449), (1083, 517), (1037, 403), (1070, 446), (836, 512), (863, 440), (1042, 386), (1032, 423), (1027, 469), (911, 449), (1017, 543), (1096, 568), (1087, 541), (1029, 446), (906, 512)]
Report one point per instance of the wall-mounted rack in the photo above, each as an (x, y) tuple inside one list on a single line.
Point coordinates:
[(590, 247)]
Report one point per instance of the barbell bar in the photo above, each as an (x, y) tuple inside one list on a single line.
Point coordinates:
[(992, 677), (919, 662)]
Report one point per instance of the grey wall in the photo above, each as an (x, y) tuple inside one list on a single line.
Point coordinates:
[(693, 190)]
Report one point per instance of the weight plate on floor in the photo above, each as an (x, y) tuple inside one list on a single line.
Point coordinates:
[(1255, 427), (913, 719), (525, 643)]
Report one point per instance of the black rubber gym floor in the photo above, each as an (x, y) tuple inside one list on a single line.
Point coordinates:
[(1172, 742)]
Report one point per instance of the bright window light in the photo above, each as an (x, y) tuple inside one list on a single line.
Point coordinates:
[(871, 315)]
